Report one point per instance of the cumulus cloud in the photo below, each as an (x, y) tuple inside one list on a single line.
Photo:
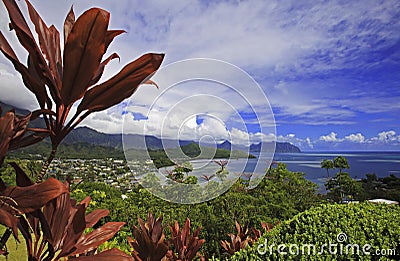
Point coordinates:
[(357, 138), (331, 137), (383, 140), (305, 56), (387, 136)]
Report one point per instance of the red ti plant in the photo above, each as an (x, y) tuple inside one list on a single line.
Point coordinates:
[(58, 228), (238, 241), (245, 236), (13, 129), (18, 200), (75, 74), (149, 243), (15, 201), (186, 245)]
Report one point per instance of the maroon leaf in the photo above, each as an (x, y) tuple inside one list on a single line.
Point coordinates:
[(22, 179), (6, 133), (28, 78), (27, 140), (111, 34), (74, 230), (100, 70), (9, 220), (34, 197), (68, 23), (56, 213), (27, 40), (112, 254), (94, 239), (122, 85), (93, 217), (83, 51), (49, 41)]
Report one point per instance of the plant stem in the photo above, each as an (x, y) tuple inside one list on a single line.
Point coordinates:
[(5, 238), (46, 164)]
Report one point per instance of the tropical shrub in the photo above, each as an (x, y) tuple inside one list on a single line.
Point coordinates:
[(186, 245), (372, 226), (149, 240)]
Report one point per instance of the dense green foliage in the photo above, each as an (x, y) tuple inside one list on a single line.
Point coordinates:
[(366, 223), (342, 187), (193, 151), (386, 187), (280, 196), (69, 151)]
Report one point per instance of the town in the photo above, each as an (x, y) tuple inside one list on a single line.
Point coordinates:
[(114, 172)]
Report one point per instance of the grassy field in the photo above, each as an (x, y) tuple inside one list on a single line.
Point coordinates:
[(17, 251)]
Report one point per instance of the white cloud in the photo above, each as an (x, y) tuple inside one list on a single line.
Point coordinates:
[(387, 136), (331, 137), (357, 138), (283, 45), (383, 140)]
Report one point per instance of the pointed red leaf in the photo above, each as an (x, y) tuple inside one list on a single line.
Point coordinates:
[(93, 217), (94, 239), (122, 85), (111, 34), (22, 179), (49, 42), (83, 51), (74, 231), (9, 220), (69, 23), (100, 70), (6, 133), (28, 78), (34, 197), (27, 40), (57, 213), (28, 140)]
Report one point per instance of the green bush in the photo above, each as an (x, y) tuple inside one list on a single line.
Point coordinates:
[(279, 196), (363, 224)]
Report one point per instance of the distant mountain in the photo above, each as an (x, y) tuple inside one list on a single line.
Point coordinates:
[(88, 135), (281, 147), (140, 142), (226, 145)]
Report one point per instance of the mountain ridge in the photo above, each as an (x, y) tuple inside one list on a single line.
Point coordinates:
[(88, 135)]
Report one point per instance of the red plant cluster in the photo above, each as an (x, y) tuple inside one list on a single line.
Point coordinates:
[(75, 74), (52, 224)]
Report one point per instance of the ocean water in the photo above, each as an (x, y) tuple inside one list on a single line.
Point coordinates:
[(361, 163)]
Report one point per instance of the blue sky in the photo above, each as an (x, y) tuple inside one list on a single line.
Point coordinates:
[(330, 69)]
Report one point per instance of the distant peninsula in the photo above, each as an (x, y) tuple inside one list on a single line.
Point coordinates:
[(281, 147)]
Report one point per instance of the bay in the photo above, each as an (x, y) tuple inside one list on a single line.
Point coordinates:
[(361, 163)]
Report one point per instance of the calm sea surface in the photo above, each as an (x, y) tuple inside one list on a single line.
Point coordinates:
[(361, 163)]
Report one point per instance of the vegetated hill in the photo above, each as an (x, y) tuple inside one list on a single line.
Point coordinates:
[(192, 151), (68, 151), (88, 135), (140, 142), (281, 147)]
